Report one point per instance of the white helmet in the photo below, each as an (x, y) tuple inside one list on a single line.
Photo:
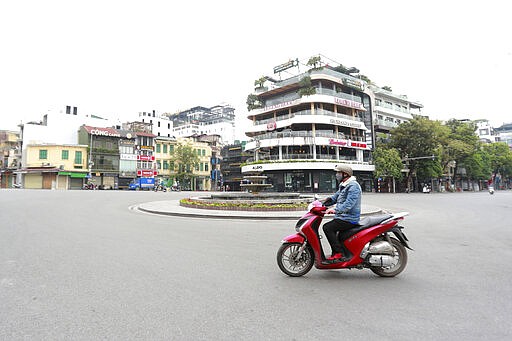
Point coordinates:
[(344, 168)]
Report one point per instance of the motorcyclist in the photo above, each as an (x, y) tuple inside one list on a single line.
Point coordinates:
[(347, 211)]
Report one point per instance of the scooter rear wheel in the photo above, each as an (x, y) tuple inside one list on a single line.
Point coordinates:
[(400, 261), (293, 264)]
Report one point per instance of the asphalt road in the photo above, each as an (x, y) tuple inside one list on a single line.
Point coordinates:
[(80, 265)]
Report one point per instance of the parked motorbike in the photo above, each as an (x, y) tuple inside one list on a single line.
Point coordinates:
[(491, 190), (160, 188), (370, 244), (15, 185), (89, 186)]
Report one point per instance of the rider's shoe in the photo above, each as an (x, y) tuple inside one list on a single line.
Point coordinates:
[(335, 257)]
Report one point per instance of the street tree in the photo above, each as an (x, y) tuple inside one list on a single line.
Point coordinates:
[(184, 159), (388, 165), (463, 146), (500, 159), (417, 140)]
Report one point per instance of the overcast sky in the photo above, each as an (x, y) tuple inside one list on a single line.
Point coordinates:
[(117, 58)]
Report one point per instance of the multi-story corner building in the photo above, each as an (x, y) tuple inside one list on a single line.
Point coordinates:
[(9, 157), (390, 110), (304, 125), (54, 166), (233, 156)]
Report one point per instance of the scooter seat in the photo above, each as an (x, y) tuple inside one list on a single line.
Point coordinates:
[(373, 220), (364, 223)]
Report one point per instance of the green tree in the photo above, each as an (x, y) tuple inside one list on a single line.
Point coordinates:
[(416, 140), (463, 146), (388, 165), (258, 83), (314, 62), (499, 158), (253, 102), (306, 88), (185, 159)]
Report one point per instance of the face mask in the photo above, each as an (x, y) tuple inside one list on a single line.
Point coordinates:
[(339, 177)]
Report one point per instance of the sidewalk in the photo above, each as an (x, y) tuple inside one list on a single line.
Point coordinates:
[(173, 208)]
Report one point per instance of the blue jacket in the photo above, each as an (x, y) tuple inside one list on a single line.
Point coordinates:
[(348, 201)]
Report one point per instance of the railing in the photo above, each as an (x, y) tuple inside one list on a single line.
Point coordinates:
[(307, 112), (319, 91), (386, 123), (306, 156), (279, 135)]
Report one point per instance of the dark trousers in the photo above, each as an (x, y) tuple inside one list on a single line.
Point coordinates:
[(331, 230)]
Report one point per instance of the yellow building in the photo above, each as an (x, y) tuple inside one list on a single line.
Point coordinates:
[(54, 166), (198, 176)]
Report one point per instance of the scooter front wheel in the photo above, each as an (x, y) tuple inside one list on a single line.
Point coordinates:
[(291, 262)]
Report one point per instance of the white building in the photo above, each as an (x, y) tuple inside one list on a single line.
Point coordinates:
[(305, 125), (392, 109), (216, 120), (160, 123)]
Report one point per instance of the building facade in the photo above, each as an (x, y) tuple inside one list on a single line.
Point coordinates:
[(9, 157), (390, 110), (217, 120), (54, 166), (304, 125), (233, 156)]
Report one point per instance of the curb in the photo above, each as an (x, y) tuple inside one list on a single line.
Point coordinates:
[(171, 208)]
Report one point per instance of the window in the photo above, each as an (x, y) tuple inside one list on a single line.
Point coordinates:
[(166, 165), (203, 151), (65, 155), (78, 158), (43, 154), (158, 146), (206, 167), (171, 149), (164, 149)]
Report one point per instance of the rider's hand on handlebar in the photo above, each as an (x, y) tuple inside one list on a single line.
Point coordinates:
[(330, 211)]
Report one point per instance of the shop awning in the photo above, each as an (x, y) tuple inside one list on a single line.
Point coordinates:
[(74, 175)]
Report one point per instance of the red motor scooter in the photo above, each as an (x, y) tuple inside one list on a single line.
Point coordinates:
[(369, 243)]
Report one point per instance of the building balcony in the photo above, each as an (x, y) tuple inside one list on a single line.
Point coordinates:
[(386, 110), (306, 156), (383, 125), (322, 96), (298, 138), (324, 117)]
